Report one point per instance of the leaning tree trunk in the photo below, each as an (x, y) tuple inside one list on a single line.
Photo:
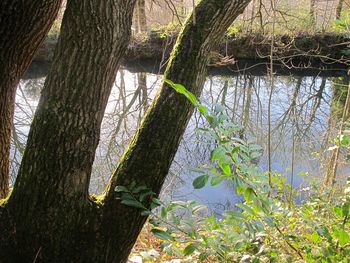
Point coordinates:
[(150, 154), (53, 218), (23, 27)]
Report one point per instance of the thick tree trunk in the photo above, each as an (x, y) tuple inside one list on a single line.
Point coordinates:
[(53, 218), (49, 204), (23, 27)]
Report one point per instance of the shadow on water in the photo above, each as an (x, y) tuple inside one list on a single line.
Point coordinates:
[(302, 120)]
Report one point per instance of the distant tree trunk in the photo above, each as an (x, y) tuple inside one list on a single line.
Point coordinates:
[(339, 9), (53, 218), (135, 20), (23, 27), (312, 12), (141, 10)]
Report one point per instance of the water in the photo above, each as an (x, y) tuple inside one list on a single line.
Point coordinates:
[(300, 111)]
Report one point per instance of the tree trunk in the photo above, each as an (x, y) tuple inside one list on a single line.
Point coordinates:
[(54, 219), (339, 9), (141, 10), (23, 27), (150, 154), (49, 204), (312, 12)]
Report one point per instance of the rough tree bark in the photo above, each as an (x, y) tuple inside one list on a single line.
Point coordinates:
[(54, 220), (49, 204), (149, 156), (23, 27)]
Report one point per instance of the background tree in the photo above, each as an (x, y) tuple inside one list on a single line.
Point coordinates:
[(339, 9), (23, 27), (52, 214)]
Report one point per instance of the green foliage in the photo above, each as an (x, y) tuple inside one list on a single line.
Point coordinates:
[(166, 30), (233, 30), (268, 226)]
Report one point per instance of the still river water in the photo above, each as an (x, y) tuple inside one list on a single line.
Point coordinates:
[(302, 112)]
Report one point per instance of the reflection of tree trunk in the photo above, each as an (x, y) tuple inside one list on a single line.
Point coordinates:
[(224, 93), (339, 9), (317, 102), (246, 109), (23, 27), (122, 118), (244, 98), (142, 83), (235, 102)]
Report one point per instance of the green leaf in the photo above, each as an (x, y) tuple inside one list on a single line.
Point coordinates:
[(217, 180), (210, 119), (234, 214), (269, 221), (246, 208), (342, 236), (143, 195), (200, 181), (127, 196), (133, 203), (139, 189), (189, 249), (162, 234), (249, 194), (182, 90), (202, 109), (315, 238), (218, 154), (120, 189), (155, 203), (163, 212), (203, 256), (235, 150), (219, 108), (225, 168), (145, 213)]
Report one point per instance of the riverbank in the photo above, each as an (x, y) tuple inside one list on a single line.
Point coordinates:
[(300, 51)]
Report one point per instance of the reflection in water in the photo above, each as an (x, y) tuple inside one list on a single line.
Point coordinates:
[(300, 119)]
